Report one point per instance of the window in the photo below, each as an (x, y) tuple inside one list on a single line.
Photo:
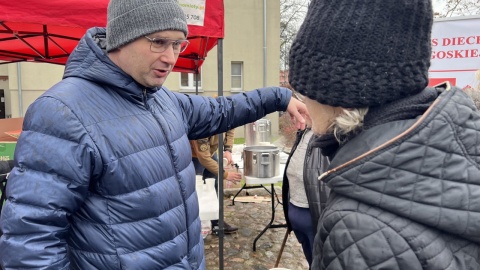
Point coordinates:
[(237, 76), (187, 81)]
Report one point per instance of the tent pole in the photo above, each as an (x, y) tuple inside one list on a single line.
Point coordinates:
[(220, 158), (264, 43), (20, 97), (196, 80)]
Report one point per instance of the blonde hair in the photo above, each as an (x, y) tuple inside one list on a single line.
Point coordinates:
[(477, 76), (475, 95), (474, 91), (349, 121)]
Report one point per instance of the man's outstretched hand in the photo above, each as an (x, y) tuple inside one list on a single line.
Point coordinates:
[(298, 112)]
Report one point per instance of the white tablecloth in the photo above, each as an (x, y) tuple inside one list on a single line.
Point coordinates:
[(263, 181)]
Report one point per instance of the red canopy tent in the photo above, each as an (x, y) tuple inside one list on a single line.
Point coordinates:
[(48, 30)]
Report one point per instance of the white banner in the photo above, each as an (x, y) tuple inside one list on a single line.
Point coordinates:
[(455, 51), (194, 10)]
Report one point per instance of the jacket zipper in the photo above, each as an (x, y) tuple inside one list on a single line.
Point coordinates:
[(144, 94), (144, 97)]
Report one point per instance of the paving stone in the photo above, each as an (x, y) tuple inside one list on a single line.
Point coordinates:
[(251, 219)]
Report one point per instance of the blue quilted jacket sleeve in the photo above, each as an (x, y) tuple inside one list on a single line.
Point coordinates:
[(206, 116), (45, 193)]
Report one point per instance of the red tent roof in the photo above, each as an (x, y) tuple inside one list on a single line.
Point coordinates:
[(48, 30)]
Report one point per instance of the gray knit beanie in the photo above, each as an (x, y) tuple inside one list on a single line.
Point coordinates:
[(128, 20), (361, 53)]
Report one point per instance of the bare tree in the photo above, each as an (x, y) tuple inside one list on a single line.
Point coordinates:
[(292, 13), (459, 8)]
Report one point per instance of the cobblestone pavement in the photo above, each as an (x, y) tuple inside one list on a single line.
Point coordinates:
[(251, 218)]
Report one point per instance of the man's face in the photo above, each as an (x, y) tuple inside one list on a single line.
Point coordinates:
[(148, 68)]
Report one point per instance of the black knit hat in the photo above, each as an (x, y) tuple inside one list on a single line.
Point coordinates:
[(362, 53)]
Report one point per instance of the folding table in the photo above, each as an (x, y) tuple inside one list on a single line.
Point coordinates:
[(254, 182)]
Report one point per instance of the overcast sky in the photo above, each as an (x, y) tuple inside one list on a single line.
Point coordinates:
[(438, 5)]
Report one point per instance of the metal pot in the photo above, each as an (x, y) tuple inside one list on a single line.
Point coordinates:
[(261, 161), (258, 132)]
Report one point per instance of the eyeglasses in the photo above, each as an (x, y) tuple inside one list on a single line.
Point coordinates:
[(161, 44)]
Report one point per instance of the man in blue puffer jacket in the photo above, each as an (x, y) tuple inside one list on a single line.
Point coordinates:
[(103, 177)]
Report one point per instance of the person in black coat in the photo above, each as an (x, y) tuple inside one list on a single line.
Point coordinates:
[(5, 167), (303, 195)]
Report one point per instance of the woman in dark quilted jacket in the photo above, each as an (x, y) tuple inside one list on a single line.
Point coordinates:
[(103, 175), (405, 159)]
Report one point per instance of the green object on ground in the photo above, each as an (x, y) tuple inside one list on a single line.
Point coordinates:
[(239, 140), (6, 150)]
